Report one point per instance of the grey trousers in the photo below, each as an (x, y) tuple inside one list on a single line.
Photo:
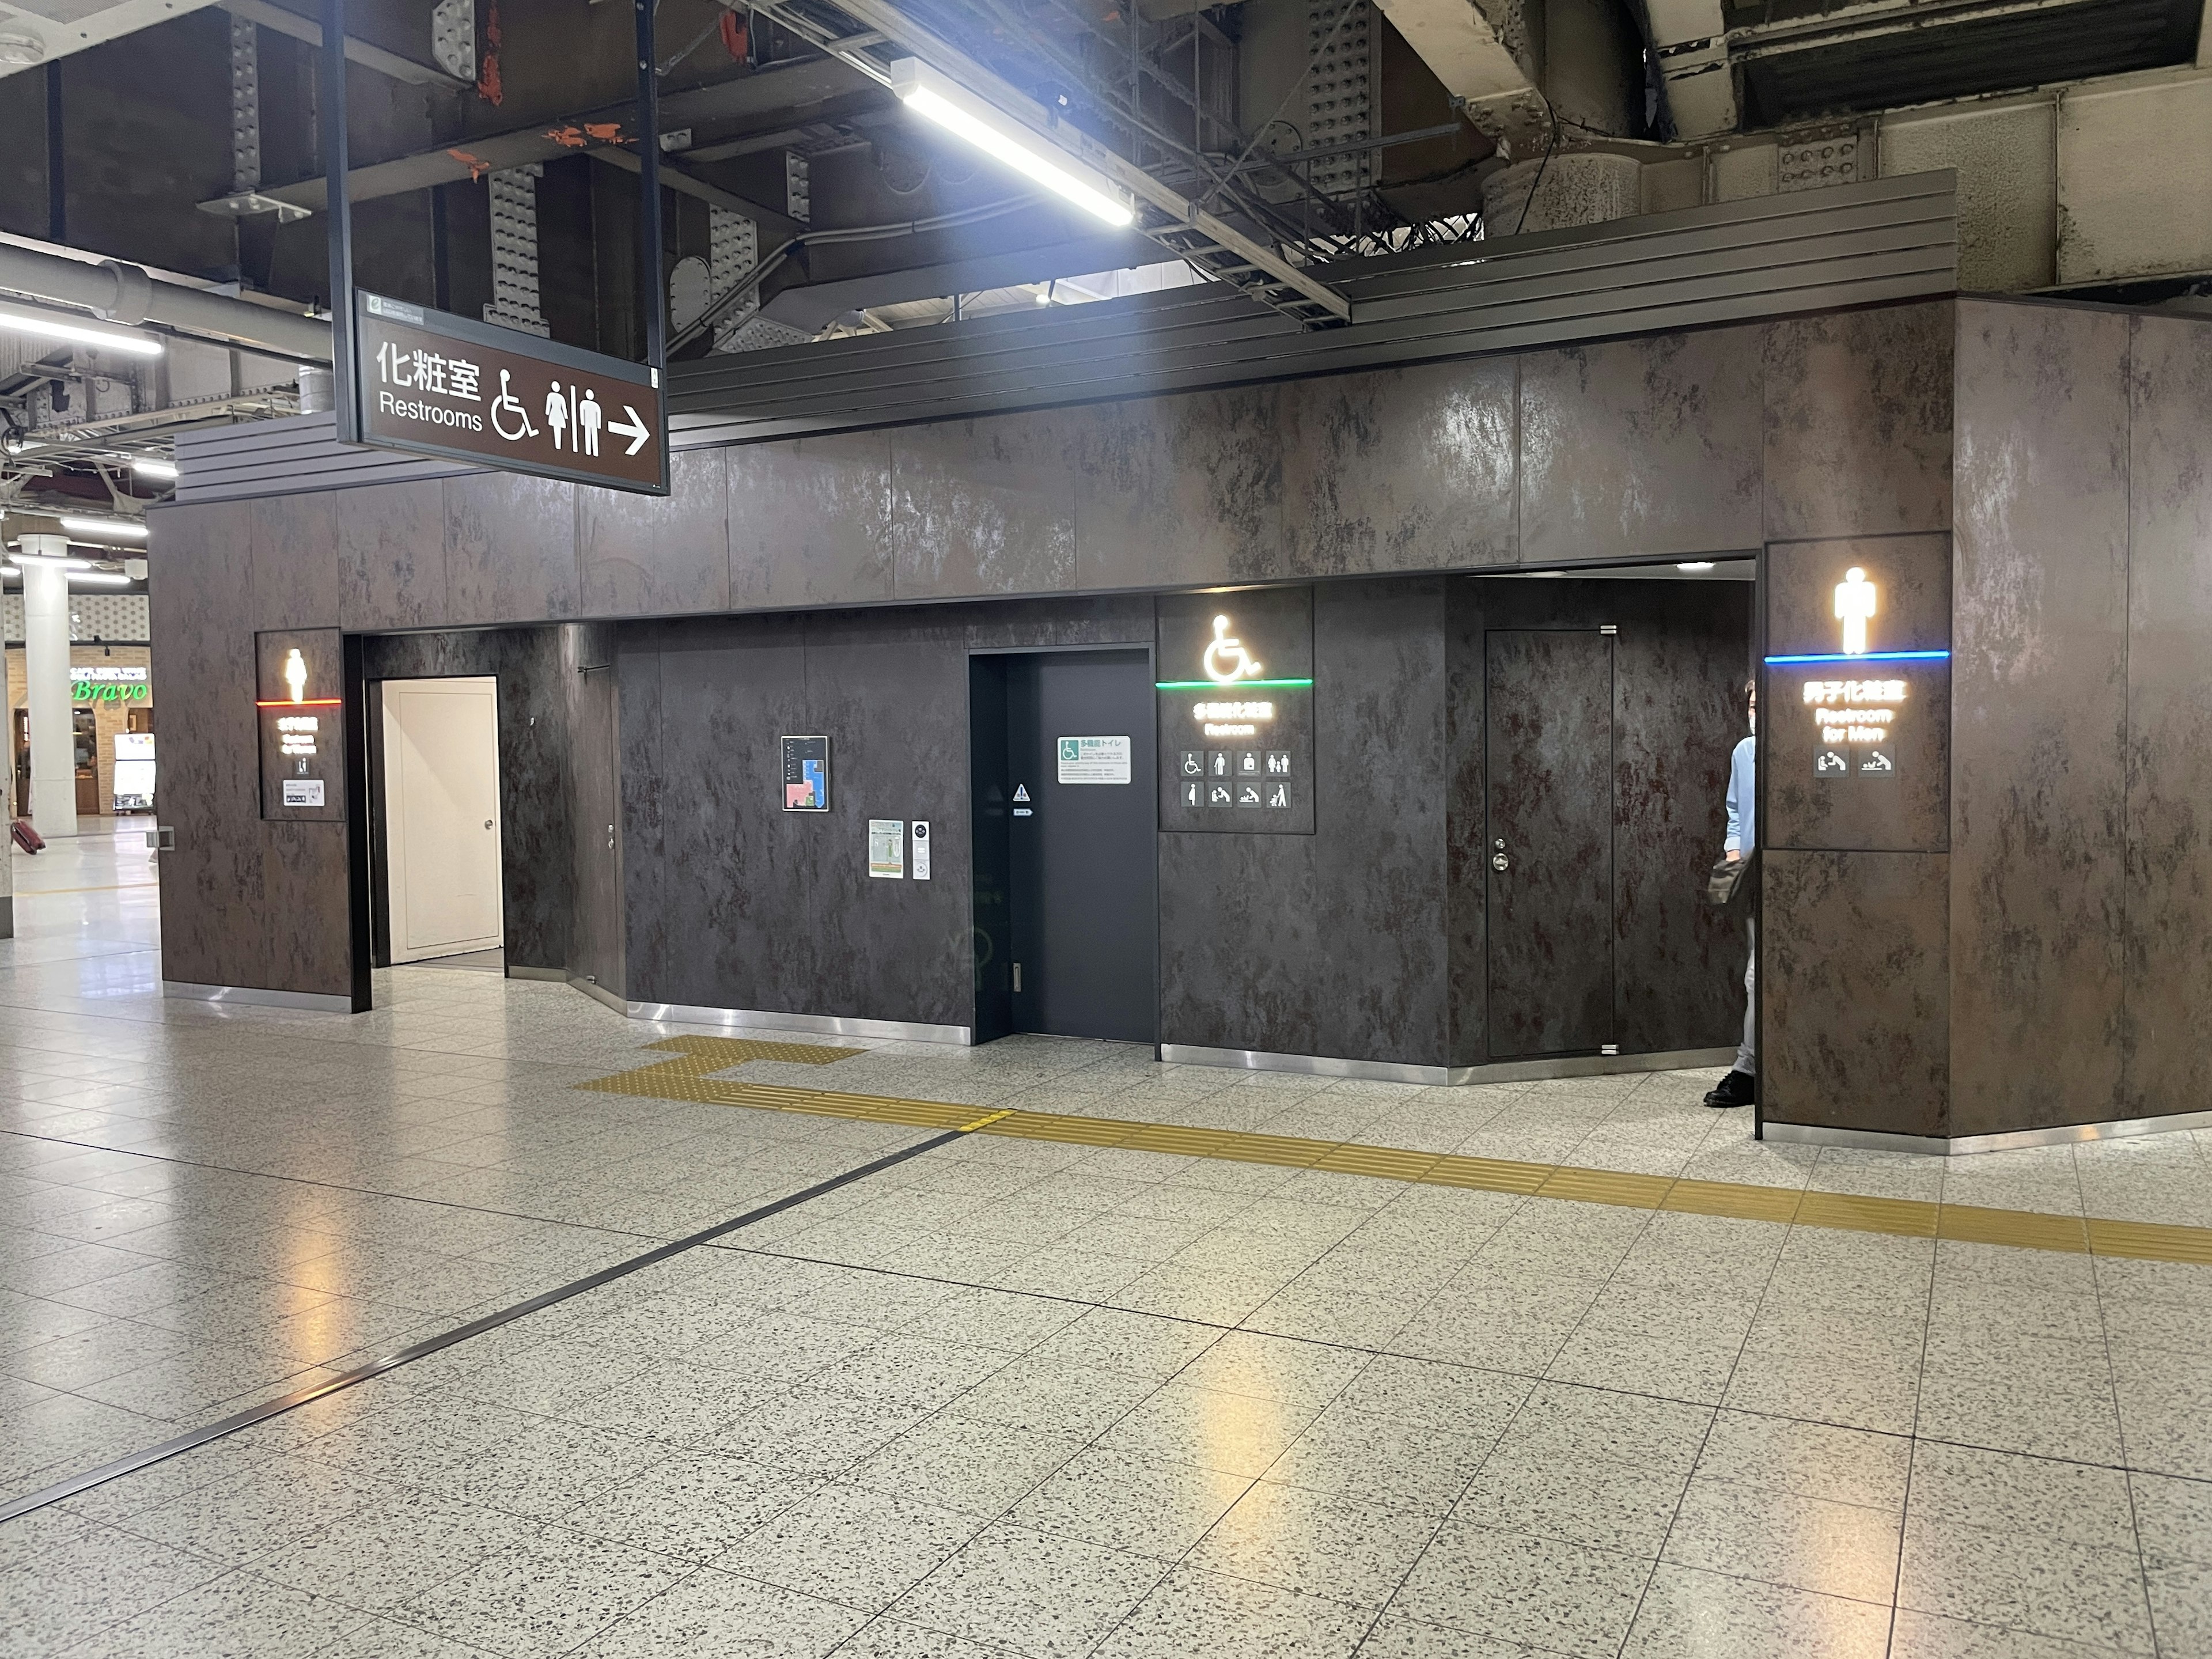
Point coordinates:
[(1746, 1054)]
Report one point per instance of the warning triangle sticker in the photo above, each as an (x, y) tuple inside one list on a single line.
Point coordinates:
[(1021, 791)]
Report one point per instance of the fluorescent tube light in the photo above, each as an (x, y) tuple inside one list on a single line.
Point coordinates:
[(100, 578), (147, 467), (22, 320), (959, 111), (1696, 565), (121, 529)]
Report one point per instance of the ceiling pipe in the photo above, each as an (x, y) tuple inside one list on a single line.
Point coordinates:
[(126, 295)]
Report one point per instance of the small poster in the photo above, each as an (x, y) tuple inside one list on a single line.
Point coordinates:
[(887, 849), (806, 774), (1093, 760), (303, 792)]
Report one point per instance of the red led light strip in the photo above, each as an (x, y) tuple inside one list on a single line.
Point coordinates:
[(286, 702)]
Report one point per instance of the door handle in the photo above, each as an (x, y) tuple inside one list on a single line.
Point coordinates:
[(487, 824)]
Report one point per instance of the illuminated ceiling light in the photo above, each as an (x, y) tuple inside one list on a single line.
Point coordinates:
[(100, 578), (1696, 566), (147, 467), (121, 529), (1548, 573), (959, 111), (22, 320)]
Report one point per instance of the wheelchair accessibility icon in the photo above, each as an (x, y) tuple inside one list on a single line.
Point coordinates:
[(1225, 660), (506, 407)]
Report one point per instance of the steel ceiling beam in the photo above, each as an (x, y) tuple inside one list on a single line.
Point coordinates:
[(1166, 216)]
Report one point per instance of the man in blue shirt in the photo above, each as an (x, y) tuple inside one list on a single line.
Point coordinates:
[(1740, 1086)]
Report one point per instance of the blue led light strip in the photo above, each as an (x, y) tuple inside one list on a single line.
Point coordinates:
[(1864, 656)]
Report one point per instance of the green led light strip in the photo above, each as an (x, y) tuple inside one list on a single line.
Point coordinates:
[(1233, 686)]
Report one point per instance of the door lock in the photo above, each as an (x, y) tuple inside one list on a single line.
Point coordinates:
[(487, 824), (1498, 858)]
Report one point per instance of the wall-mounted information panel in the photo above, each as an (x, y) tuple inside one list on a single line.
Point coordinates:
[(1236, 697), (299, 678), (806, 774)]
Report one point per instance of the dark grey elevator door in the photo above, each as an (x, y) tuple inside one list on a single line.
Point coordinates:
[(1549, 763), (1082, 863)]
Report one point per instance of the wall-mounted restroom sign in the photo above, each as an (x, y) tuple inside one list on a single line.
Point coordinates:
[(1872, 699), (1092, 760), (1235, 698), (296, 678), (806, 774)]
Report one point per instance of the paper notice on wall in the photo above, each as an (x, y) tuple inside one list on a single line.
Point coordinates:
[(303, 792), (887, 849), (1093, 760)]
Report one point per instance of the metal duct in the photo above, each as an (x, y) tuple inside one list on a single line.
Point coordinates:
[(126, 295)]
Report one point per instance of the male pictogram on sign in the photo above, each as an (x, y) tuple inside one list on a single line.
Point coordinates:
[(588, 416), (1855, 604)]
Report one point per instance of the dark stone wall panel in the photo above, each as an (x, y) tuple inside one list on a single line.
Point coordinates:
[(1640, 446), (201, 559), (510, 550), (1855, 971), (1410, 470), (391, 556), (984, 506), (2039, 715), (1858, 422), (2167, 1029), (644, 556), (295, 569), (304, 908), (810, 522), (595, 784), (1910, 812), (1170, 491), (1335, 942)]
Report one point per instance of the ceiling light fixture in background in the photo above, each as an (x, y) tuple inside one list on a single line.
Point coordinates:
[(100, 578), (147, 467), (46, 325), (1696, 566), (120, 530), (959, 111)]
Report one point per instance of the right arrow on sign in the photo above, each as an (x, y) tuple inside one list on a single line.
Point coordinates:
[(634, 428)]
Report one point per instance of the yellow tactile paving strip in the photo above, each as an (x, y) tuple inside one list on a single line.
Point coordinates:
[(689, 1076)]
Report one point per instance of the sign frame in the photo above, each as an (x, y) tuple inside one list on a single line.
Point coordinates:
[(346, 300)]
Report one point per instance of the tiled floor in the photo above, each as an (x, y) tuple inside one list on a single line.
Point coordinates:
[(1012, 1397)]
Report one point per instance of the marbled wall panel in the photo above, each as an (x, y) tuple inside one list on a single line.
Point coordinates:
[(1858, 422), (1679, 664), (1466, 783), (1175, 491), (296, 570), (653, 556), (811, 521), (201, 561), (740, 932), (1640, 446), (644, 789), (2038, 715), (594, 780), (303, 904), (891, 688), (1409, 469), (510, 550), (1910, 812), (1335, 942), (2166, 995), (391, 556), (1105, 619), (1855, 988), (984, 506)]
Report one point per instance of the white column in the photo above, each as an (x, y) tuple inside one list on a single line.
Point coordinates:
[(47, 683)]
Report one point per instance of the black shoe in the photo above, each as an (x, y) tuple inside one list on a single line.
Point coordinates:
[(1736, 1089)]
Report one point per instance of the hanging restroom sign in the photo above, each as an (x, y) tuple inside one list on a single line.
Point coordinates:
[(1236, 699)]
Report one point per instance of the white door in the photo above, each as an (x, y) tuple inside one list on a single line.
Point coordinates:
[(441, 816)]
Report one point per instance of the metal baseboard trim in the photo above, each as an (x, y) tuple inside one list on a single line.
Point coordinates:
[(2059, 1135), (597, 992), (316, 1001), (895, 1031), (558, 976), (1391, 1071)]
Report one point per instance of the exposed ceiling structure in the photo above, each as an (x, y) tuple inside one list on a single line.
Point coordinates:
[(159, 173)]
